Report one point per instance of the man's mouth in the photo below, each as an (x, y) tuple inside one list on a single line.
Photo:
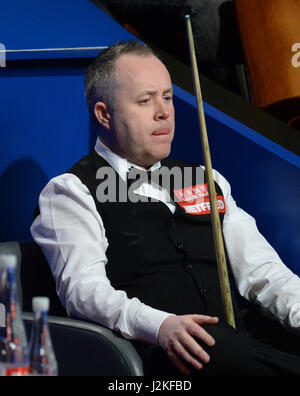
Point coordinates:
[(161, 131)]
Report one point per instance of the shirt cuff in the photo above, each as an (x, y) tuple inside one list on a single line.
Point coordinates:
[(148, 322)]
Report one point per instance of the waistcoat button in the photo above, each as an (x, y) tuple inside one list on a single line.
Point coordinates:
[(173, 222)]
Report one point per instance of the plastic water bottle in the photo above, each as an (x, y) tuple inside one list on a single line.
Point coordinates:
[(14, 359), (42, 356)]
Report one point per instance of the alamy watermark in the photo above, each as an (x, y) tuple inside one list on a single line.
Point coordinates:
[(2, 55), (114, 189), (296, 57)]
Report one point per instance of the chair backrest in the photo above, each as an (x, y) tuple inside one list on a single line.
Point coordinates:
[(36, 278), (33, 275)]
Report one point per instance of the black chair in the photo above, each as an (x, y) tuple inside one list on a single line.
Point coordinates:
[(82, 348)]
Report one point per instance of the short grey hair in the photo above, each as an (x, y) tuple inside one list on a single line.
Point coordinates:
[(100, 78)]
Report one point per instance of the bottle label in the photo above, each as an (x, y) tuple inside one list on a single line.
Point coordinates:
[(17, 371)]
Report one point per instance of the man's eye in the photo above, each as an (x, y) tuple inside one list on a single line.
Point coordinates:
[(168, 98), (144, 101)]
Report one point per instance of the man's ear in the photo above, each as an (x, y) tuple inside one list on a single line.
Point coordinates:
[(102, 114)]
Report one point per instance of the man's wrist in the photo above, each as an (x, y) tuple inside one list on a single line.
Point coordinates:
[(148, 323)]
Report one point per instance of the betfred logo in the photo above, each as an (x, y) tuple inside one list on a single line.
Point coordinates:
[(195, 200)]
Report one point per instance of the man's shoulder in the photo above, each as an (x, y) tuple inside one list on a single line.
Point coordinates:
[(88, 165), (88, 161)]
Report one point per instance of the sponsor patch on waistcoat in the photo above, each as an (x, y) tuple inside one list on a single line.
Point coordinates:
[(195, 200)]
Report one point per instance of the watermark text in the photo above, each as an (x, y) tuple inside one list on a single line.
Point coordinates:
[(113, 189), (296, 57)]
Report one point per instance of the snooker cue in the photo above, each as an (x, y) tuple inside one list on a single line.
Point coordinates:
[(217, 231)]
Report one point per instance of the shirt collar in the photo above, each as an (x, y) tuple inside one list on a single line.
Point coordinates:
[(121, 165)]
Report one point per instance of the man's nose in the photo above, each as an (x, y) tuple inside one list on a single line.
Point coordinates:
[(162, 111)]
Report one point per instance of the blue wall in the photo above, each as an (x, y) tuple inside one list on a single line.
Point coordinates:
[(44, 125), (35, 24)]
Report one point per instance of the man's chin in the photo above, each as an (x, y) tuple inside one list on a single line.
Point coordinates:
[(158, 156)]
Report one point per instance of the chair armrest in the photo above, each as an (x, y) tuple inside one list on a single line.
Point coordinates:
[(87, 349)]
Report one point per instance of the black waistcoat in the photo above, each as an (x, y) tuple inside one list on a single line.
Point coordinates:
[(166, 260)]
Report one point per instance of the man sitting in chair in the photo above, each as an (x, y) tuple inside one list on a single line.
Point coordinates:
[(146, 266)]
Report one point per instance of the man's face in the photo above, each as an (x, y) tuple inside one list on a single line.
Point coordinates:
[(142, 118)]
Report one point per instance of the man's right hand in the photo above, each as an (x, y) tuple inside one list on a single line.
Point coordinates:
[(176, 334)]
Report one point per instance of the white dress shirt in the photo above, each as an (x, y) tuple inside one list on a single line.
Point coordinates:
[(71, 233)]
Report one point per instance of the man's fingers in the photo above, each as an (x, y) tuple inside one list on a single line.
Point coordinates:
[(200, 333), (178, 336), (194, 351), (180, 352), (178, 363), (204, 319)]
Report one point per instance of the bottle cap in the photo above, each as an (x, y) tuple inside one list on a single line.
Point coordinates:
[(40, 304), (8, 260)]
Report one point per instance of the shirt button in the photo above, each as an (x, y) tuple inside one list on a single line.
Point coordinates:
[(180, 245), (203, 290), (189, 266), (173, 222)]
